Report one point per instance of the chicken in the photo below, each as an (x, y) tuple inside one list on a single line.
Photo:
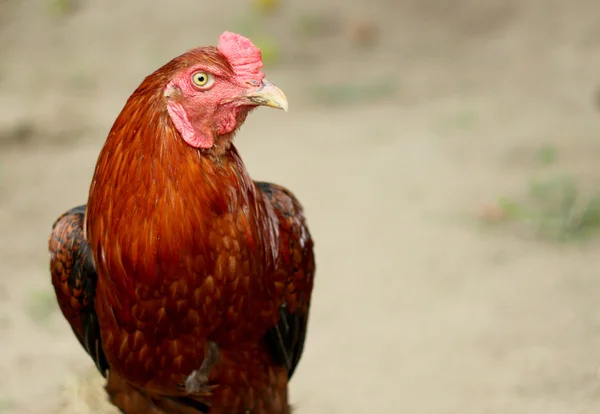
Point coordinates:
[(188, 283)]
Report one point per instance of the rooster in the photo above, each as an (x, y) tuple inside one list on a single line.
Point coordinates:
[(187, 282)]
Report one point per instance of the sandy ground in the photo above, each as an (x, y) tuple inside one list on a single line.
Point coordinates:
[(392, 146)]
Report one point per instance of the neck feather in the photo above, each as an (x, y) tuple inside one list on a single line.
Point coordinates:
[(153, 197)]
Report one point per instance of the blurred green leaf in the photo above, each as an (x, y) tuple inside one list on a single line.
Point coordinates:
[(463, 121), (352, 93), (6, 404), (265, 7), (40, 305), (63, 7), (547, 155), (511, 208), (269, 49), (555, 209), (466, 120)]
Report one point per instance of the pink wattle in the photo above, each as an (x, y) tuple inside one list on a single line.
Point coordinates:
[(243, 55), (195, 137)]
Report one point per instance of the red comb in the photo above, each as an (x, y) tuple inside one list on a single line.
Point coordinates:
[(243, 55)]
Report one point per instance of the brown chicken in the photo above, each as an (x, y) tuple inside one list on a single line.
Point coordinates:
[(188, 283)]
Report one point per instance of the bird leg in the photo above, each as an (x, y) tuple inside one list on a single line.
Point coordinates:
[(197, 381)]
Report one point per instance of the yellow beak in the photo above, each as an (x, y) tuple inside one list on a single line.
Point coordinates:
[(268, 95)]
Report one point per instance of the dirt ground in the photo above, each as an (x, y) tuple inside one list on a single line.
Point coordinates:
[(406, 117)]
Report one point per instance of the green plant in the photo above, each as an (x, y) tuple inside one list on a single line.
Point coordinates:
[(40, 305), (553, 208)]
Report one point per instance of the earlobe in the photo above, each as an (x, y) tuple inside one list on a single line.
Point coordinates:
[(195, 136), (172, 91)]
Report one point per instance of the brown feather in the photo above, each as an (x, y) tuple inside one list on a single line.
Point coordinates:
[(188, 250)]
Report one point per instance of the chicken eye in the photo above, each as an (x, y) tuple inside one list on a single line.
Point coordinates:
[(202, 79)]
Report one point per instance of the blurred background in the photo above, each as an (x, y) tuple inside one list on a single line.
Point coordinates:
[(446, 153)]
